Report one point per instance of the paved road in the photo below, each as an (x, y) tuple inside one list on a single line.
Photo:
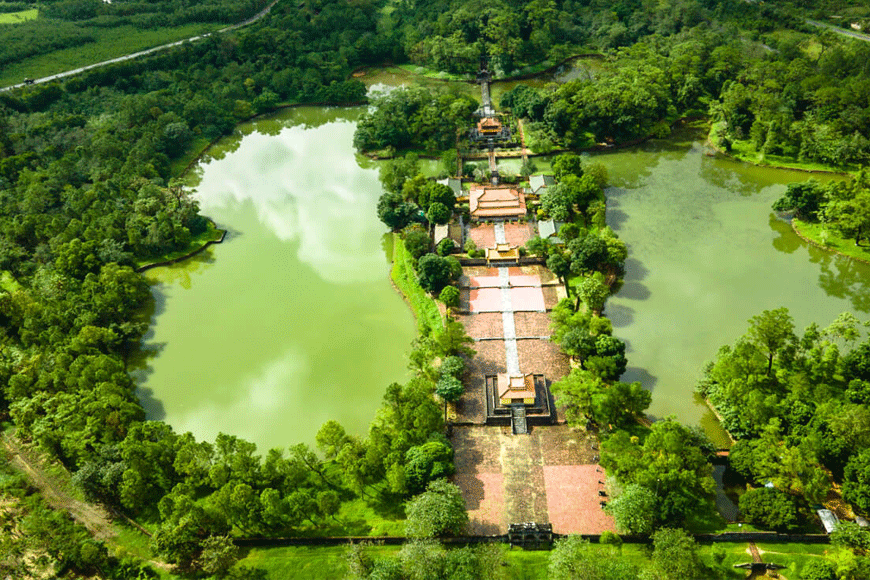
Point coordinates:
[(145, 52), (843, 31)]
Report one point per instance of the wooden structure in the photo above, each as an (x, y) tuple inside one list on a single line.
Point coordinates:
[(488, 202)]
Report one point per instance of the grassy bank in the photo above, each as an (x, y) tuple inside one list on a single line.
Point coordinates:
[(309, 563), (211, 234), (826, 237), (404, 277), (110, 43), (16, 17), (744, 151)]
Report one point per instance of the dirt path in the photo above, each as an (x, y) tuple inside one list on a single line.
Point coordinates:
[(524, 150), (95, 518), (756, 556)]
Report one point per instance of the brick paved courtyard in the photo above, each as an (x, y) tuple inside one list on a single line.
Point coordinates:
[(548, 475)]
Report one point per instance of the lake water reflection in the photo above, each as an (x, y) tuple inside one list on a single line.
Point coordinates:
[(706, 254), (292, 320)]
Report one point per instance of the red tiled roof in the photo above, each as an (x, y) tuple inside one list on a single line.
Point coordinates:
[(496, 201), (521, 387)]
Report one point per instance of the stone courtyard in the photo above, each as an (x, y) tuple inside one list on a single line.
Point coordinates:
[(550, 474)]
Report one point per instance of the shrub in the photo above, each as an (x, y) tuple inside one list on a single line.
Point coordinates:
[(438, 213), (452, 365), (608, 537), (417, 243), (427, 462), (434, 272), (445, 247), (768, 508), (439, 510), (449, 296), (819, 570)]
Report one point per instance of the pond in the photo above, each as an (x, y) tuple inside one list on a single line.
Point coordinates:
[(705, 254), (292, 321)]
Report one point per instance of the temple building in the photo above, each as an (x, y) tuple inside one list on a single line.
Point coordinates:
[(516, 389), (490, 129), (499, 202), (502, 254)]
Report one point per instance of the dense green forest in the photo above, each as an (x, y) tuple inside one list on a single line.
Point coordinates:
[(770, 90), (86, 193), (799, 406), (72, 23)]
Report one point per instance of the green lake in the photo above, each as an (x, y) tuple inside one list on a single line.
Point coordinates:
[(292, 321), (706, 253)]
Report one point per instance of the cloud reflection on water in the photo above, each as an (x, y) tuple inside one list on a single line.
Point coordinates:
[(325, 206), (263, 394)]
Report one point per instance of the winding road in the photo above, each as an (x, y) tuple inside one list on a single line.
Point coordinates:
[(68, 73), (838, 30)]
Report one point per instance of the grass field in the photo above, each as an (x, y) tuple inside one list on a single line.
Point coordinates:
[(828, 237), (16, 17), (405, 278), (111, 43), (310, 563)]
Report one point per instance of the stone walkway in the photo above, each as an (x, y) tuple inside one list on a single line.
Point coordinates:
[(550, 474), (509, 332)]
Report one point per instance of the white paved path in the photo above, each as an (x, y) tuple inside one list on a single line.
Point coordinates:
[(509, 332)]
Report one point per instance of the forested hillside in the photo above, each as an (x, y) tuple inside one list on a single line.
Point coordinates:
[(73, 23), (87, 193)]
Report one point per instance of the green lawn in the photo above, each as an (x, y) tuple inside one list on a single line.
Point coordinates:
[(302, 563), (358, 518), (435, 74), (793, 556), (110, 43), (828, 237), (16, 17), (744, 151), (405, 278), (309, 563)]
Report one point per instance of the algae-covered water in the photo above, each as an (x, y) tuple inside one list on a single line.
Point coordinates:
[(292, 321), (705, 254)]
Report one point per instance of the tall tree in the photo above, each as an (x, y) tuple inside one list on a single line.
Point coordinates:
[(771, 331)]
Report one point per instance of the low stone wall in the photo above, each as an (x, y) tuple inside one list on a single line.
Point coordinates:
[(736, 537), (523, 261)]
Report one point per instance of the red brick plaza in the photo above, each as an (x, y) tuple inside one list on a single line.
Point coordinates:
[(551, 474)]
